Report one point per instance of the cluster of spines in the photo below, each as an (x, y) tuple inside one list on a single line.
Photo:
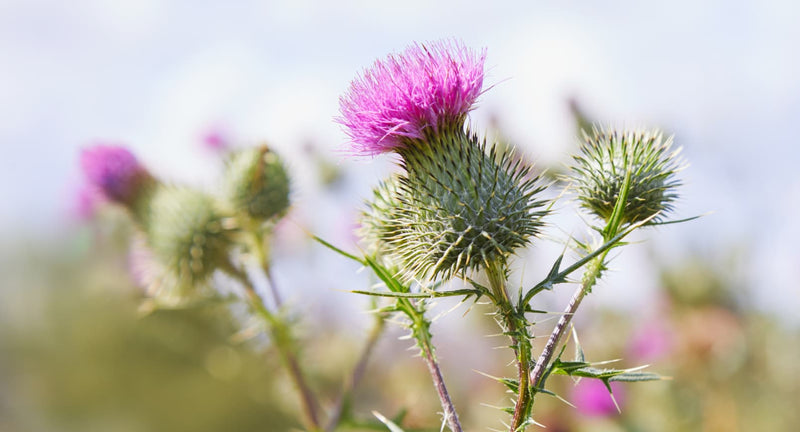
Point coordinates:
[(606, 159), (459, 206), (188, 233)]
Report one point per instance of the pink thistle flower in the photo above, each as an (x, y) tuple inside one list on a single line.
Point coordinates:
[(113, 171), (591, 398), (85, 203), (651, 342), (216, 140), (426, 87)]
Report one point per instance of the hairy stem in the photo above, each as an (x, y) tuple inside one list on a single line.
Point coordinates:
[(451, 417), (589, 279), (516, 326)]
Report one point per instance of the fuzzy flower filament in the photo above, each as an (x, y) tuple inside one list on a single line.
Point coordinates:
[(406, 97)]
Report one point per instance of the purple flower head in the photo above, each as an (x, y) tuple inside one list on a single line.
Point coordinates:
[(592, 399), (113, 171), (426, 86)]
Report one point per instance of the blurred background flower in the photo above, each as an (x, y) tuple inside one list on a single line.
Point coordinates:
[(721, 76)]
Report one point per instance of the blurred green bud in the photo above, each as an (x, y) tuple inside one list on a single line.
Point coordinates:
[(606, 158), (187, 234), (458, 207), (256, 184)]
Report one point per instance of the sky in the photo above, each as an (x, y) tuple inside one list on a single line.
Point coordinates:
[(722, 76)]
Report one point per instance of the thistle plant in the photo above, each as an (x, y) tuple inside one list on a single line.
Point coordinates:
[(461, 207), (190, 235)]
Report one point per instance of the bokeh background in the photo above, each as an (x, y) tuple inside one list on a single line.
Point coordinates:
[(712, 303)]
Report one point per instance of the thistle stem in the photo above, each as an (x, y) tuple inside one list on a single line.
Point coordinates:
[(357, 373), (520, 342), (451, 417), (589, 279), (263, 262), (282, 340)]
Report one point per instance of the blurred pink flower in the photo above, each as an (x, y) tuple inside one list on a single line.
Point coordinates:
[(113, 171), (84, 203), (591, 398), (215, 140), (426, 86), (651, 342)]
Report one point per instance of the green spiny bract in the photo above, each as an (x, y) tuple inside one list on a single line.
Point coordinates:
[(187, 233), (257, 184), (605, 159), (457, 207)]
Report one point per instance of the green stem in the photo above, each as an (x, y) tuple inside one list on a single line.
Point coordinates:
[(263, 261), (590, 276), (282, 340), (451, 417), (516, 326), (357, 373)]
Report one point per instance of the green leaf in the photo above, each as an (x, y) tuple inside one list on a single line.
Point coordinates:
[(422, 295), (511, 383), (676, 221), (637, 376), (392, 283), (585, 370), (617, 214), (339, 251)]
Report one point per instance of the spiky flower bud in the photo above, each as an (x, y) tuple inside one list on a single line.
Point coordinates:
[(459, 207), (257, 183), (606, 159), (115, 173), (403, 98), (187, 233)]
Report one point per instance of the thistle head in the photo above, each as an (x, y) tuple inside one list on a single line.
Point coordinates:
[(187, 233), (608, 157), (115, 173), (421, 91), (460, 206), (257, 184)]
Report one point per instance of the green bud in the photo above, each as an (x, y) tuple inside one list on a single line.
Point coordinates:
[(605, 160), (256, 184), (457, 208), (187, 233)]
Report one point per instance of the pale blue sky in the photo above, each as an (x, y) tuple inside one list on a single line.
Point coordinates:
[(721, 75)]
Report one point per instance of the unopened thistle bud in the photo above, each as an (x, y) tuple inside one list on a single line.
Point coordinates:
[(606, 159), (187, 233), (460, 205), (257, 184), (114, 172)]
